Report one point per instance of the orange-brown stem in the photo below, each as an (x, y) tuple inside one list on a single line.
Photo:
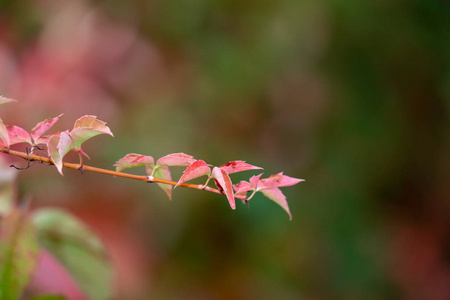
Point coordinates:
[(34, 157)]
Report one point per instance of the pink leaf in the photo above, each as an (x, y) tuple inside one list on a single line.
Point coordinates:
[(197, 169), (243, 187), (6, 100), (52, 149), (87, 127), (176, 159), (65, 144), (42, 127), (254, 180), (237, 166), (223, 183), (277, 196), (278, 180), (163, 172), (18, 135), (133, 160), (4, 136)]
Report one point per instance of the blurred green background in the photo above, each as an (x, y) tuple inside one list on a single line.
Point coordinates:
[(352, 96)]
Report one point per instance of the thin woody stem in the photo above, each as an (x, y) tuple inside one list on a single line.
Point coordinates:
[(34, 157)]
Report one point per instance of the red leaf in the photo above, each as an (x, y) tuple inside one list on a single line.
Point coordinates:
[(175, 159), (223, 182), (277, 196), (278, 180), (197, 169), (133, 160), (42, 127), (237, 166)]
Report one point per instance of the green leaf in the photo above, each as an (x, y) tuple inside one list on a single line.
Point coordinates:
[(18, 254), (78, 249), (163, 172)]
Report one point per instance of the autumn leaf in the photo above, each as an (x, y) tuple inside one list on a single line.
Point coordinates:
[(41, 128), (197, 169), (223, 183), (163, 172), (175, 159), (18, 135), (279, 180), (3, 131), (85, 128), (132, 160), (159, 170), (269, 187), (243, 187), (278, 197), (4, 136), (237, 166)]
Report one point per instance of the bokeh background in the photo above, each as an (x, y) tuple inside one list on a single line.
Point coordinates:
[(352, 96)]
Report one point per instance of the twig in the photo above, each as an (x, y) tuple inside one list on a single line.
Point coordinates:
[(33, 157)]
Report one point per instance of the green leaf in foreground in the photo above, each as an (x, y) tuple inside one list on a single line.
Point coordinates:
[(18, 254), (78, 249)]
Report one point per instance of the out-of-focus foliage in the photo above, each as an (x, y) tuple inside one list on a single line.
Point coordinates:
[(353, 96), (18, 254), (78, 249)]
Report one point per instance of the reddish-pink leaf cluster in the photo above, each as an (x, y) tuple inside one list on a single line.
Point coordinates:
[(269, 187), (59, 144), (160, 169)]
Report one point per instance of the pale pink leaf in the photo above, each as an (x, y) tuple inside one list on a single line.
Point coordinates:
[(18, 135), (223, 182), (65, 144), (6, 100), (237, 166), (163, 172), (52, 149), (90, 121), (4, 136), (132, 160), (197, 169), (278, 180), (254, 181), (41, 128), (175, 159), (243, 187), (277, 196), (87, 127)]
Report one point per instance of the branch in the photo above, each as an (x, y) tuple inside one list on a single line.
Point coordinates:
[(34, 157)]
